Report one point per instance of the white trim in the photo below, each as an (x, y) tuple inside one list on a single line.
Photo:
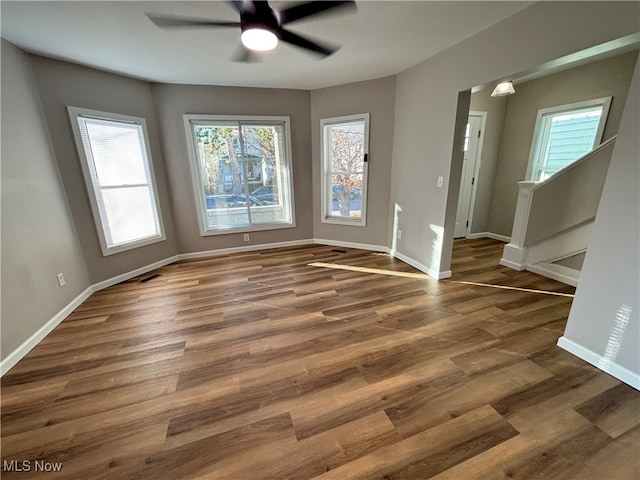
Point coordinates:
[(476, 170), (90, 178), (612, 368), (324, 187), (361, 246), (288, 203), (536, 141), (495, 236), (422, 267), (133, 273), (18, 354), (563, 274), (248, 248), (514, 256), (512, 265)]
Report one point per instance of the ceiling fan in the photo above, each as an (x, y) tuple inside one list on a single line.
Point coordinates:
[(262, 26)]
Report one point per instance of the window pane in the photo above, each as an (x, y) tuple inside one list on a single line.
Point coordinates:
[(128, 214), (243, 173), (570, 136), (344, 145), (266, 174), (222, 175), (346, 195), (565, 134)]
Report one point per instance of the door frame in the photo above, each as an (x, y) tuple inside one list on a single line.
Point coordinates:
[(476, 168)]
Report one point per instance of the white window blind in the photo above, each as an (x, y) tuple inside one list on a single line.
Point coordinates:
[(119, 178)]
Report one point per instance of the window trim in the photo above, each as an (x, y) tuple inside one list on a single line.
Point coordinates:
[(74, 113), (324, 174), (605, 102), (195, 177)]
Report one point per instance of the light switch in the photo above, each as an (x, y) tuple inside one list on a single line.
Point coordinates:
[(440, 181)]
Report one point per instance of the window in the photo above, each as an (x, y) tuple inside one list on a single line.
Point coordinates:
[(241, 172), (115, 158), (344, 151), (564, 134)]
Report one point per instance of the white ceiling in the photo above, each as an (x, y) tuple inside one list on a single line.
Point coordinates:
[(379, 39)]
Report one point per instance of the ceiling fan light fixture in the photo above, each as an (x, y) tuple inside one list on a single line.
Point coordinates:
[(259, 39), (502, 89)]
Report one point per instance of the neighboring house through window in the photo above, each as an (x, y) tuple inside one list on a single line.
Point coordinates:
[(344, 152), (564, 134), (118, 171), (241, 170)]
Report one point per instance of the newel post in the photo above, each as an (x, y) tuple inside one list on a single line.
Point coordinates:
[(515, 253)]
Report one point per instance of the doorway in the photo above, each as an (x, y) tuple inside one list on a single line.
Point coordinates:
[(470, 167)]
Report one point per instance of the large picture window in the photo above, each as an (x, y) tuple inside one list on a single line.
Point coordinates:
[(115, 158), (344, 151), (565, 133), (241, 171)]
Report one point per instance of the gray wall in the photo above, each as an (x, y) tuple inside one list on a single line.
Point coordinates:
[(173, 101), (376, 97), (62, 84), (38, 237), (604, 78), (427, 100), (605, 315)]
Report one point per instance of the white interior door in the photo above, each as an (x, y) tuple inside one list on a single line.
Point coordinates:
[(468, 180)]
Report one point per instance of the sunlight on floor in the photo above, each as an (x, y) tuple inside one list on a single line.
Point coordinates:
[(370, 270), (424, 276), (546, 292)]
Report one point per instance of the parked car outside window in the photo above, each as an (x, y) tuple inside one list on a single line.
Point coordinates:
[(229, 201), (267, 194)]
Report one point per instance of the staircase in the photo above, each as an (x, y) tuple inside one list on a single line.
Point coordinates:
[(553, 219)]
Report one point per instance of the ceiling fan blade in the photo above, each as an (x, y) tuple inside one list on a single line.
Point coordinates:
[(238, 5), (178, 22), (307, 9), (298, 41)]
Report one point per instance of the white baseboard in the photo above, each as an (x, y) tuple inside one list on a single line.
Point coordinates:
[(560, 273), (247, 248), (14, 357), (134, 273), (612, 368), (361, 246), (495, 236), (422, 267), (510, 264)]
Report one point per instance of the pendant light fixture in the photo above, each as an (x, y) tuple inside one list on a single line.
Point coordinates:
[(502, 89)]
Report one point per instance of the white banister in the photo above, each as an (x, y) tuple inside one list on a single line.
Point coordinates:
[(553, 214)]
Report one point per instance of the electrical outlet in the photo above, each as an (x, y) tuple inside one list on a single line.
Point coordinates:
[(61, 281), (399, 234), (246, 237)]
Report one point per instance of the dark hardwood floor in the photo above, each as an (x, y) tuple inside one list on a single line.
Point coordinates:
[(262, 366)]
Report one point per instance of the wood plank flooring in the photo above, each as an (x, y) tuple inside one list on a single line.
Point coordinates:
[(261, 366)]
